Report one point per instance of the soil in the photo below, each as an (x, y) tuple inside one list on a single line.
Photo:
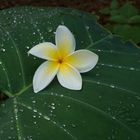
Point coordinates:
[(86, 5)]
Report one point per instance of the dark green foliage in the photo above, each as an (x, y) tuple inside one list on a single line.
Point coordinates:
[(108, 105), (123, 20)]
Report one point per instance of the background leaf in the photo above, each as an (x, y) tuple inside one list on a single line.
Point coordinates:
[(118, 19), (105, 10), (114, 4), (106, 108), (135, 19), (128, 10)]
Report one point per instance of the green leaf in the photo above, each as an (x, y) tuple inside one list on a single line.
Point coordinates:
[(128, 10), (113, 9), (128, 32), (135, 19), (114, 4), (105, 10), (114, 12), (118, 19), (106, 108)]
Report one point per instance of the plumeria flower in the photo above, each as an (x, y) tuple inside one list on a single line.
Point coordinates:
[(62, 60)]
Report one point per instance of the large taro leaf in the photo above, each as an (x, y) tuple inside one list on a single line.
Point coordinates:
[(108, 106)]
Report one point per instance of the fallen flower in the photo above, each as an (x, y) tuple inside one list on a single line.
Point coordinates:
[(63, 61)]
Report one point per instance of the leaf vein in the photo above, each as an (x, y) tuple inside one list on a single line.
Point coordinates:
[(100, 111), (119, 67), (16, 119), (6, 74), (111, 86), (48, 119), (18, 53)]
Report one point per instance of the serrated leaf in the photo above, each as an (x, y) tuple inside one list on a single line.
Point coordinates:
[(128, 10), (128, 32), (114, 4), (106, 108), (105, 10), (118, 19), (134, 19), (114, 12)]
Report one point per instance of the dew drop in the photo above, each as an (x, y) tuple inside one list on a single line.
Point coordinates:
[(1, 131), (132, 105), (3, 50), (35, 122), (12, 128), (47, 118), (9, 137), (73, 125), (137, 97), (109, 109), (49, 30), (112, 86), (35, 110), (87, 27), (28, 47), (100, 97), (34, 101), (52, 104), (97, 74), (113, 117), (132, 68), (64, 125), (119, 67), (61, 95), (53, 107)]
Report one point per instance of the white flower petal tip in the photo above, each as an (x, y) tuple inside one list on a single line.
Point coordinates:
[(36, 90), (45, 50), (65, 40), (63, 61), (44, 75), (69, 77), (83, 60)]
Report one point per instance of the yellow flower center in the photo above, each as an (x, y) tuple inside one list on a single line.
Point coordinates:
[(60, 60)]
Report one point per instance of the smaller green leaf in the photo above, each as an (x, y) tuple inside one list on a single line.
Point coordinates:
[(114, 4), (128, 32), (135, 33), (118, 19), (134, 19), (114, 12), (105, 10), (128, 10)]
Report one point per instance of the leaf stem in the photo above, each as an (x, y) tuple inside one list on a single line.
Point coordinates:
[(7, 93)]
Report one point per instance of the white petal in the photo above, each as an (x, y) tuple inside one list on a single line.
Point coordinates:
[(44, 75), (44, 50), (83, 60), (65, 41), (69, 77)]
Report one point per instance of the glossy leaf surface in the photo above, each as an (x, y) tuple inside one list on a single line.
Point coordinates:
[(107, 108)]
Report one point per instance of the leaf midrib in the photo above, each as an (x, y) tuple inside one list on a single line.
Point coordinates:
[(91, 106)]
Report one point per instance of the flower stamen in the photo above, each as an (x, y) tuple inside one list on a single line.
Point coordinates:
[(60, 60)]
